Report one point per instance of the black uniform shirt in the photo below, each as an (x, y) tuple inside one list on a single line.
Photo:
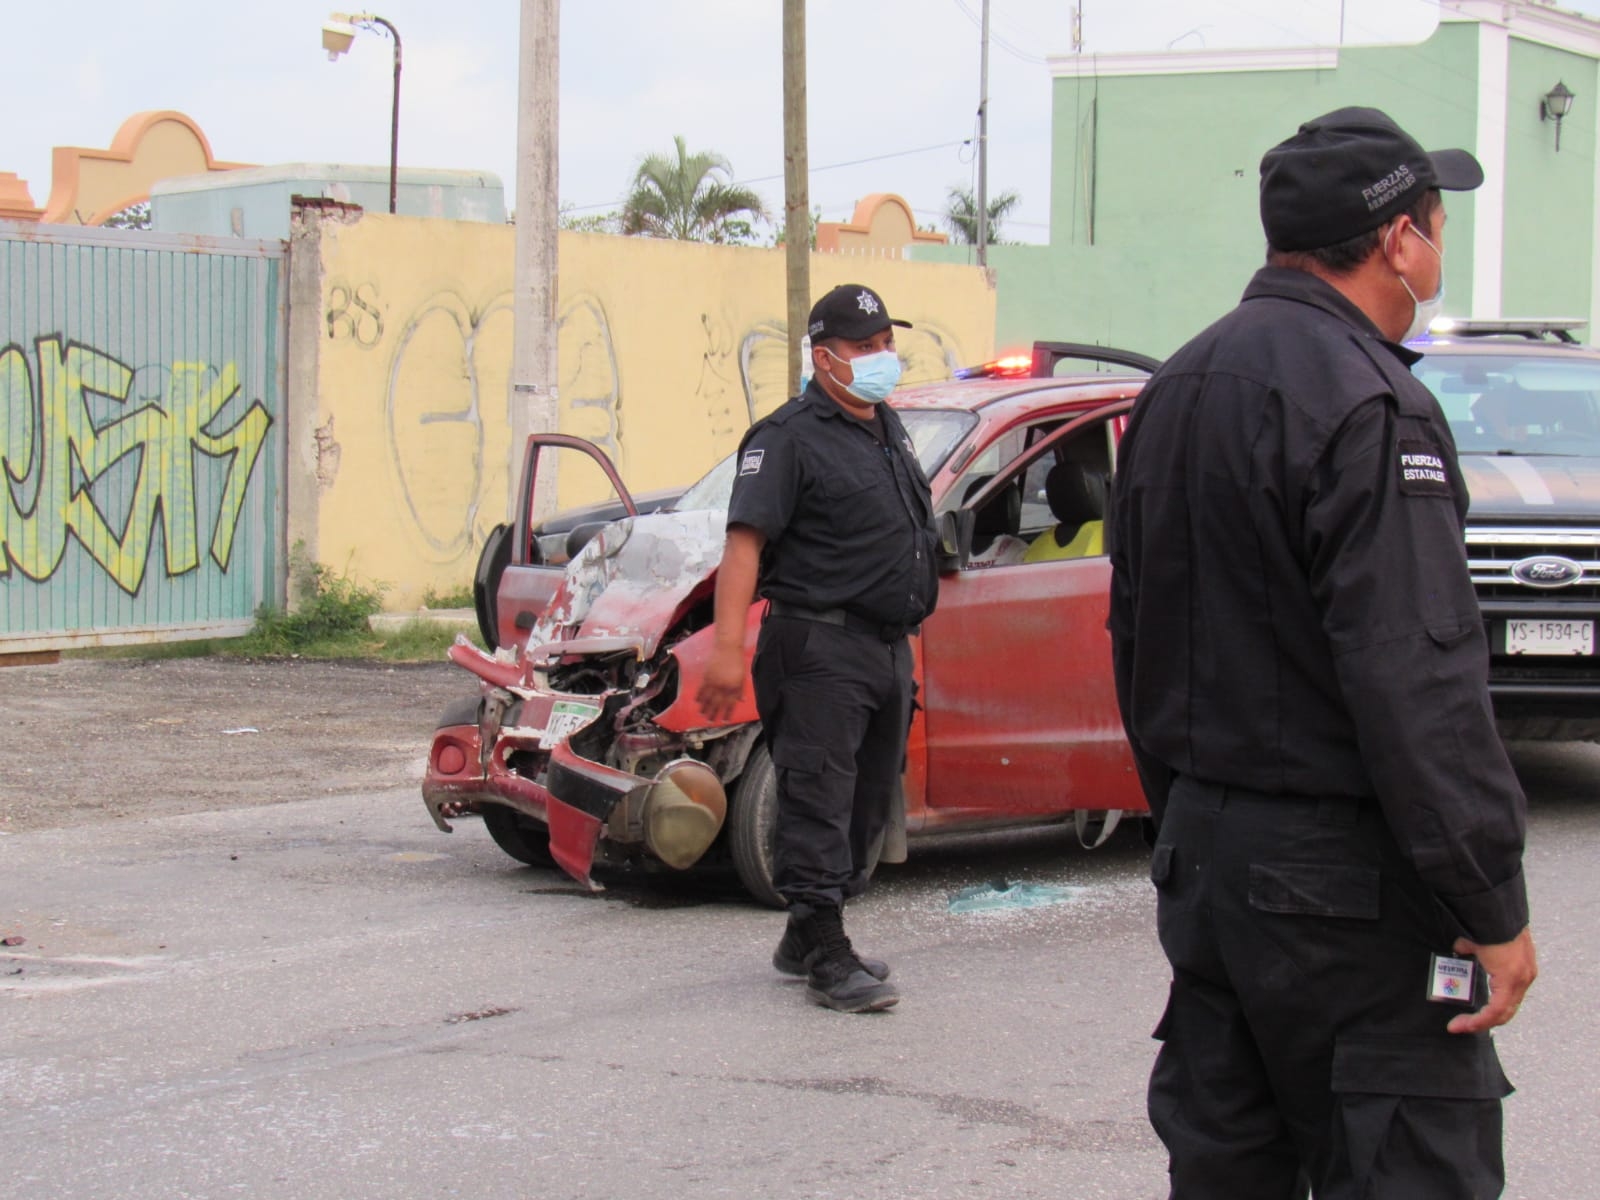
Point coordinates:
[(1291, 607), (848, 517)]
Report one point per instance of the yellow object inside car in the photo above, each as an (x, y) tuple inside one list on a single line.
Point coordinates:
[(1088, 541)]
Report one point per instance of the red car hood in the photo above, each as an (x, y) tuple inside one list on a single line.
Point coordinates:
[(633, 578)]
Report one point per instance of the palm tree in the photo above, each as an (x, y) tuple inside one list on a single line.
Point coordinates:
[(688, 197), (961, 214)]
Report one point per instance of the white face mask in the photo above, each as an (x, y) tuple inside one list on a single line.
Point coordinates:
[(1423, 312)]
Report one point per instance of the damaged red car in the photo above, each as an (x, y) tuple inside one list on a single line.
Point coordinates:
[(583, 745)]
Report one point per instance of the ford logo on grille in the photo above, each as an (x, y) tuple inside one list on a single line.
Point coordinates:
[(1547, 571)]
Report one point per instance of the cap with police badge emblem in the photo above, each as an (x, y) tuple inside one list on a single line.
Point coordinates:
[(851, 311), (1347, 173)]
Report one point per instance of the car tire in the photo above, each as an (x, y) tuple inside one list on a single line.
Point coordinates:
[(522, 837), (753, 829)]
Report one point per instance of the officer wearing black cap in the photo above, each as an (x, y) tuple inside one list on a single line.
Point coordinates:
[(832, 517), (1302, 671)]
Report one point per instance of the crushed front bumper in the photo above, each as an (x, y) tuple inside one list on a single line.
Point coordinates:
[(532, 767)]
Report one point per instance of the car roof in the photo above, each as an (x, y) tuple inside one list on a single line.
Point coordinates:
[(998, 397)]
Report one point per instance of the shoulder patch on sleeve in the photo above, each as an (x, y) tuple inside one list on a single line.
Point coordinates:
[(750, 463), (1422, 470)]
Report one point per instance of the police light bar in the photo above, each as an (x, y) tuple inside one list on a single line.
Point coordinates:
[(1010, 366), (1533, 328)]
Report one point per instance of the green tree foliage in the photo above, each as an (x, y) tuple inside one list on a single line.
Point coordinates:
[(781, 236), (609, 222), (689, 197), (961, 215)]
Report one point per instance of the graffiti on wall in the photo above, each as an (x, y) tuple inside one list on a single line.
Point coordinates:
[(102, 451), (444, 363), (420, 381), (589, 382), (448, 387), (927, 355)]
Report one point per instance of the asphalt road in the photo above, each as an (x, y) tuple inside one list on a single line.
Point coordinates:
[(329, 998)]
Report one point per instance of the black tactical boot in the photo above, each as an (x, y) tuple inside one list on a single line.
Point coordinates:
[(790, 956), (835, 977)]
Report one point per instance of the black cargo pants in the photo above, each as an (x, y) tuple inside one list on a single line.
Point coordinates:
[(1297, 1045), (835, 704)]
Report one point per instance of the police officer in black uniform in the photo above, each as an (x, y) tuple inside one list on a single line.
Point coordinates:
[(832, 516), (1302, 670)]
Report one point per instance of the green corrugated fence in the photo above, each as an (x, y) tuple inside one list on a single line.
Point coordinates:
[(141, 435)]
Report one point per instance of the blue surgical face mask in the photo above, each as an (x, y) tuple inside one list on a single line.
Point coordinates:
[(874, 375)]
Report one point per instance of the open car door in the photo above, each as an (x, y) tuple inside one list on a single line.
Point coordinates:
[(523, 563), (1021, 705)]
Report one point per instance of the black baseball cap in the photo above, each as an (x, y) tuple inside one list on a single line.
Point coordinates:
[(1346, 173), (851, 311)]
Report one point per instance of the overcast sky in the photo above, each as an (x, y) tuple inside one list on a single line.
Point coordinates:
[(891, 81)]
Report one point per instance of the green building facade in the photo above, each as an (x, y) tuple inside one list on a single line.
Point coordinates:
[(1155, 158)]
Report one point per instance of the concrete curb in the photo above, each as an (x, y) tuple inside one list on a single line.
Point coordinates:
[(464, 618)]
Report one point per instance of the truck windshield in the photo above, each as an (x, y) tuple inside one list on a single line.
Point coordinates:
[(935, 432), (1517, 405)]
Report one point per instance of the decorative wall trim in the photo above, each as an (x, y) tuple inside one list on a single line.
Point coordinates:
[(1529, 21), (1194, 62), (69, 162)]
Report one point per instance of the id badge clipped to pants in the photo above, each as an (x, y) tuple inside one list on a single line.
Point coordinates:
[(1450, 980)]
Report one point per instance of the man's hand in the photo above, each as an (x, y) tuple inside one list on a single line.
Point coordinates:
[(1512, 967), (723, 685)]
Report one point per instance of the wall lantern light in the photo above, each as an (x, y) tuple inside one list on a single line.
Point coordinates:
[(1555, 105)]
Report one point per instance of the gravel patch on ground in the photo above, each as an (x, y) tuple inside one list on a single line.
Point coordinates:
[(95, 740)]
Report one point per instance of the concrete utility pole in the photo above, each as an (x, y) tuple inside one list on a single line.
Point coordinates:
[(534, 275), (796, 183), (983, 144)]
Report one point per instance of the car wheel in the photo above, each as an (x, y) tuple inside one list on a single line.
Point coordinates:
[(522, 837), (753, 828)]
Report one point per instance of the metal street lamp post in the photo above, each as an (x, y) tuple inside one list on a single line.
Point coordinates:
[(338, 31)]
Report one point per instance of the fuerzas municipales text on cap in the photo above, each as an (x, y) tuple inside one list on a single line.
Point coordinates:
[(1346, 173), (851, 311)]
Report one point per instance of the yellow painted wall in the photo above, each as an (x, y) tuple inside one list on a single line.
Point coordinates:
[(668, 351)]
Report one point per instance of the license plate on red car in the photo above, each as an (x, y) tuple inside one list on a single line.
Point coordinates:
[(566, 718), (1550, 637)]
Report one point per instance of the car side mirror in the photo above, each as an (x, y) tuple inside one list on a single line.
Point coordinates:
[(955, 539)]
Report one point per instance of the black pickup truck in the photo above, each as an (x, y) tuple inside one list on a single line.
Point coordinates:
[(1523, 400)]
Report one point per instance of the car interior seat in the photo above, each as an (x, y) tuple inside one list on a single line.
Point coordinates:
[(1076, 492)]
